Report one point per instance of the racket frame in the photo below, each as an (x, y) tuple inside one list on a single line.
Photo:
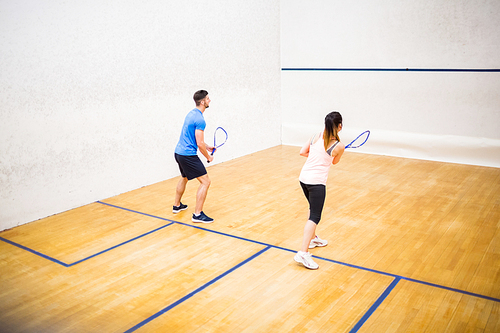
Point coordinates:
[(366, 139), (215, 143)]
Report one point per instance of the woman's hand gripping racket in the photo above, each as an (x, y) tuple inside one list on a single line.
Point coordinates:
[(220, 138), (360, 140)]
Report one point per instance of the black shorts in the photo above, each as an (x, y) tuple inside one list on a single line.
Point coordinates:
[(315, 195), (191, 167)]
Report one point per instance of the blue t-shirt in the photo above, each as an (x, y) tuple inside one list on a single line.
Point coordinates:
[(187, 142)]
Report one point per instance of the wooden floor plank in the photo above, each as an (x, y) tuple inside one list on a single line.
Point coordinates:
[(430, 221), (330, 300), (413, 307), (115, 292), (82, 232)]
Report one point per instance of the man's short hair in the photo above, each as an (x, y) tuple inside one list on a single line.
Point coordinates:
[(199, 96)]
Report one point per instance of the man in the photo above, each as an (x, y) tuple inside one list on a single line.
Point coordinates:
[(190, 165)]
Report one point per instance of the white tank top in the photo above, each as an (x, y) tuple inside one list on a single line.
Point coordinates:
[(318, 163)]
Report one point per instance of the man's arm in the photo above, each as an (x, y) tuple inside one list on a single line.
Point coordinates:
[(202, 146)]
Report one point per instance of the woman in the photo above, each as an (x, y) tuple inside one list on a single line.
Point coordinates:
[(321, 151)]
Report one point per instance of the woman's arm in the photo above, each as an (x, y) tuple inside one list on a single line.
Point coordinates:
[(337, 152), (304, 151)]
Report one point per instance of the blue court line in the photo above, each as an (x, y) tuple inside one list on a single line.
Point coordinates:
[(476, 70), (411, 280), (114, 247), (321, 258), (137, 212), (191, 294), (451, 289), (375, 306), (379, 301), (34, 252), (247, 240), (358, 267), (84, 259), (200, 228)]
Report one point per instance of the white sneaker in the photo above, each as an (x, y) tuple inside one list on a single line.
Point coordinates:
[(305, 258), (316, 241)]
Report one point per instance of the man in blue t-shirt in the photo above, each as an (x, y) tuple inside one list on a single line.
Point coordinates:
[(190, 165)]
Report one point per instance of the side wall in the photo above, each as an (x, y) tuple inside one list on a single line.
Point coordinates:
[(352, 57), (93, 94)]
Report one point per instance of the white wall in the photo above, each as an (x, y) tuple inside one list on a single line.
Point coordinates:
[(436, 115), (93, 93)]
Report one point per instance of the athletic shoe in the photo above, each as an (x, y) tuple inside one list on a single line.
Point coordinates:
[(202, 218), (316, 241), (177, 209), (305, 258)]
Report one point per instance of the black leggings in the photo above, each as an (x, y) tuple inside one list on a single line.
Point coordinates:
[(316, 195)]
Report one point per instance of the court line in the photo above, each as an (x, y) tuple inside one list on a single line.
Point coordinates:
[(358, 267), (87, 258), (123, 243), (367, 314), (430, 284), (247, 240), (318, 257), (375, 305), (365, 317), (196, 291), (34, 252), (201, 228), (476, 70), (400, 277)]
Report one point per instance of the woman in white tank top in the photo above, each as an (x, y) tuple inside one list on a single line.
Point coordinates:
[(322, 151)]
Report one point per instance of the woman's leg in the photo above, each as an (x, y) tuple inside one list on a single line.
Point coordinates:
[(309, 234), (315, 194)]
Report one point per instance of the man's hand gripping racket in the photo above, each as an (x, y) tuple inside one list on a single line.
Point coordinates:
[(220, 138)]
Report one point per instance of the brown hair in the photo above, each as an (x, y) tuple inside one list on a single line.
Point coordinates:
[(332, 122), (199, 96)]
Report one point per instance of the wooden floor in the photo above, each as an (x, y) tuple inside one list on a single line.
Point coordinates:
[(414, 246)]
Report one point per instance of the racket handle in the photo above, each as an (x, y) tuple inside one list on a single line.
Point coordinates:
[(211, 154)]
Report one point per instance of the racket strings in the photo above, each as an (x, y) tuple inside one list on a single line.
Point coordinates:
[(360, 140), (220, 137)]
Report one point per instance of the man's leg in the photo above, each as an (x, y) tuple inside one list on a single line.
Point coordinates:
[(179, 191), (202, 193)]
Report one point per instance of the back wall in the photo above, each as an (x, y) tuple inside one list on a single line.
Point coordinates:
[(353, 57), (93, 94)]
